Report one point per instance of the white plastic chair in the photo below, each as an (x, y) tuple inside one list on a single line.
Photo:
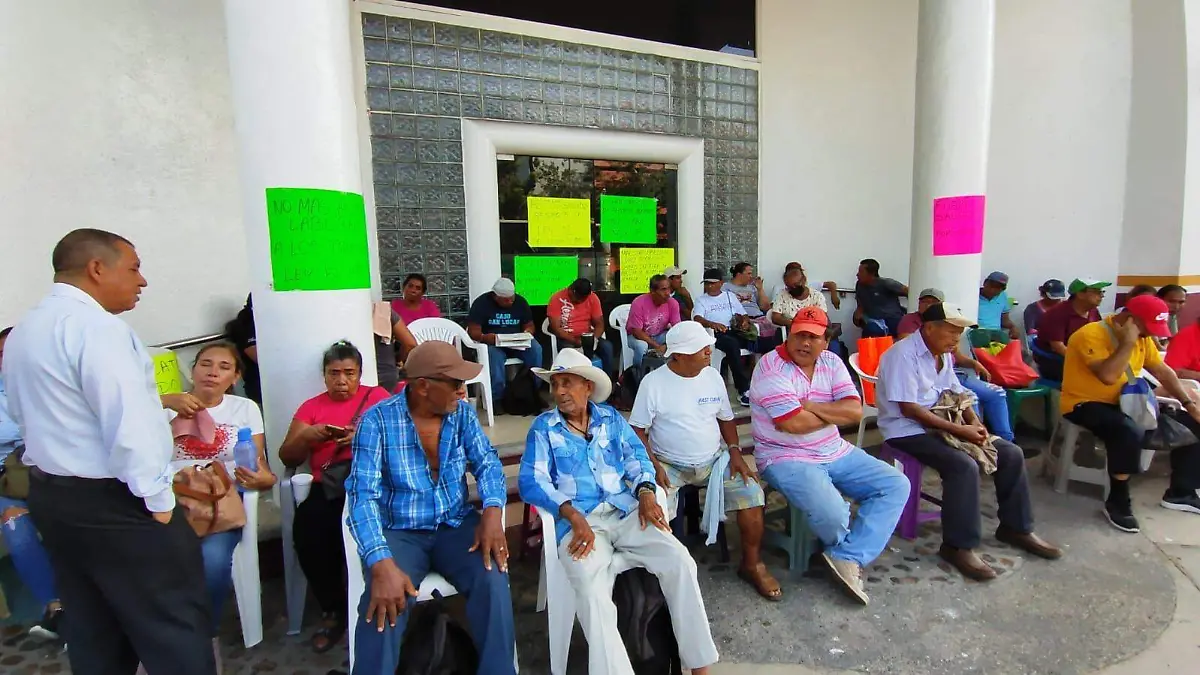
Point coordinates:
[(1068, 470), (553, 338), (617, 318), (356, 584), (247, 585), (446, 330), (555, 595), (294, 582), (868, 410)]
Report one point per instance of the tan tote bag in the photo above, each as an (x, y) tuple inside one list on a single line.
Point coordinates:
[(209, 498)]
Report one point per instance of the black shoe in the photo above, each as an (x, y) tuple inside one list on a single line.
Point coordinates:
[(1120, 516), (1187, 501), (47, 628)]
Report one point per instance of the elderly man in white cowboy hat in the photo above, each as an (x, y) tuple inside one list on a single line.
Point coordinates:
[(584, 463), (682, 414)]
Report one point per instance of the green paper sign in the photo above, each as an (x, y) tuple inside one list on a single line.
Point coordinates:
[(318, 240), (537, 277), (628, 220)]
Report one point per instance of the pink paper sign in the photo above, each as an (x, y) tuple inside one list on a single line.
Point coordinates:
[(958, 225)]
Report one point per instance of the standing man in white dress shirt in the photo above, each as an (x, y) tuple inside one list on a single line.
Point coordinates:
[(81, 385)]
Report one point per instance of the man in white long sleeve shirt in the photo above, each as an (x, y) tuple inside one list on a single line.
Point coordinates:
[(81, 385)]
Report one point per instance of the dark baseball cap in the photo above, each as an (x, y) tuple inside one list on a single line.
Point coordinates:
[(713, 275), (1054, 289), (949, 313)]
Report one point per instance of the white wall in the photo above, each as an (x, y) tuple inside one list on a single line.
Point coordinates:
[(1154, 196), (836, 124), (117, 116), (1056, 173)]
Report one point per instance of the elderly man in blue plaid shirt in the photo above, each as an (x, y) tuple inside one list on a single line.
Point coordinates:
[(409, 512), (584, 464)]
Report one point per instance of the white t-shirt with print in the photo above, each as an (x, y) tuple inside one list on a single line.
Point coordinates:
[(717, 308), (681, 414), (231, 414)]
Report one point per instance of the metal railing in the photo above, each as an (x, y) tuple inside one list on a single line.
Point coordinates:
[(191, 342)]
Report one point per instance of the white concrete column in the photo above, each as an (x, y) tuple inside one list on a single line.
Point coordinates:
[(293, 101), (953, 109)]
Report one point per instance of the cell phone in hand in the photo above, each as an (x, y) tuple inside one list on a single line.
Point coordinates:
[(336, 430)]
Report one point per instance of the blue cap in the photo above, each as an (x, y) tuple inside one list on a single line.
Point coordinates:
[(998, 278), (244, 435), (1054, 289)]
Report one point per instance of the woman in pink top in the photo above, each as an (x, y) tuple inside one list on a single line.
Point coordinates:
[(413, 304), (320, 435)]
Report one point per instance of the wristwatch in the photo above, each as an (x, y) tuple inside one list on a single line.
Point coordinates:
[(643, 487)]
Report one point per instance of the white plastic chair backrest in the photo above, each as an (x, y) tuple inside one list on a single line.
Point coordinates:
[(873, 379), (553, 338), (441, 329), (617, 318)]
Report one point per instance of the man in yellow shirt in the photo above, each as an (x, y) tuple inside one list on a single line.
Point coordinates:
[(1098, 356)]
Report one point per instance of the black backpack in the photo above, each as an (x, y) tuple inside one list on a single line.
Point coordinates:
[(521, 395), (625, 393), (644, 623), (435, 643)]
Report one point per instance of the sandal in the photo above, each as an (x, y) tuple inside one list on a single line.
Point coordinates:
[(329, 634), (762, 581)]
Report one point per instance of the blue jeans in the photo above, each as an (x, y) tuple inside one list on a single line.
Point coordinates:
[(640, 347), (531, 357), (489, 605), (993, 404), (816, 489), (28, 554), (217, 551)]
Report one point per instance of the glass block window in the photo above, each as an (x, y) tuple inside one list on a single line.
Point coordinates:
[(424, 78)]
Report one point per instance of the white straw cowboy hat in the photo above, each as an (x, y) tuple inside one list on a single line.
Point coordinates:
[(572, 361)]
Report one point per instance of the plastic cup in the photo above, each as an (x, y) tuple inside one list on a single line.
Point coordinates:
[(301, 485)]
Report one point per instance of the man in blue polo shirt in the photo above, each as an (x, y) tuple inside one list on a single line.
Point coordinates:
[(994, 306)]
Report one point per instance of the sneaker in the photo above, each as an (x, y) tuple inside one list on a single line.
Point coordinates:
[(848, 576), (1120, 516), (47, 628), (744, 400), (1187, 502)]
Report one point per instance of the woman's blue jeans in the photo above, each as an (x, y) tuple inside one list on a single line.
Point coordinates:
[(28, 556), (217, 551)]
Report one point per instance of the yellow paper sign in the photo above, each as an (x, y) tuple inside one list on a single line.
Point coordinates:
[(639, 264), (167, 375), (560, 223)]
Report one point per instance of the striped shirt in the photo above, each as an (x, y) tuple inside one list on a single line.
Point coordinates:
[(559, 466), (391, 487), (778, 391)]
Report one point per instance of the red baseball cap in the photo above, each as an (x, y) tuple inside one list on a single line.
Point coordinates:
[(810, 320), (1153, 312)]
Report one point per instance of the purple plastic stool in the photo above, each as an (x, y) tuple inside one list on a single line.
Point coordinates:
[(912, 516)]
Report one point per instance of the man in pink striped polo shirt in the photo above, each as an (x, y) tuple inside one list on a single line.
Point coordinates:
[(800, 394)]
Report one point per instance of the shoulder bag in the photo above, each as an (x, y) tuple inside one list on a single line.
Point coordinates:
[(209, 498), (14, 476), (334, 474), (1137, 399)]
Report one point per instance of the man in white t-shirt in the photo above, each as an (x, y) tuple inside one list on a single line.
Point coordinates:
[(682, 415)]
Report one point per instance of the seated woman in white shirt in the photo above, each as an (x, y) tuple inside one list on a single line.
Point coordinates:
[(718, 309), (214, 371)]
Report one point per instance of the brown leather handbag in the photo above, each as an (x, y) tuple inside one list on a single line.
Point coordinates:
[(209, 498)]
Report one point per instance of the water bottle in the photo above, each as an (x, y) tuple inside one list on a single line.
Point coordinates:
[(245, 454)]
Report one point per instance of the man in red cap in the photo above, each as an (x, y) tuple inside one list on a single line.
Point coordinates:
[(1100, 358), (800, 394)]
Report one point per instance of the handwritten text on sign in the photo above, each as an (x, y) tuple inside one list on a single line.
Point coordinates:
[(167, 374), (639, 264), (628, 220), (555, 222), (958, 225), (537, 277), (318, 240)]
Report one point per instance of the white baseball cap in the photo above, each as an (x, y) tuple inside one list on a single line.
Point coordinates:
[(504, 288), (674, 272), (687, 337)]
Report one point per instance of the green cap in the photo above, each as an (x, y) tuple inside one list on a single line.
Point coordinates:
[(1080, 285)]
